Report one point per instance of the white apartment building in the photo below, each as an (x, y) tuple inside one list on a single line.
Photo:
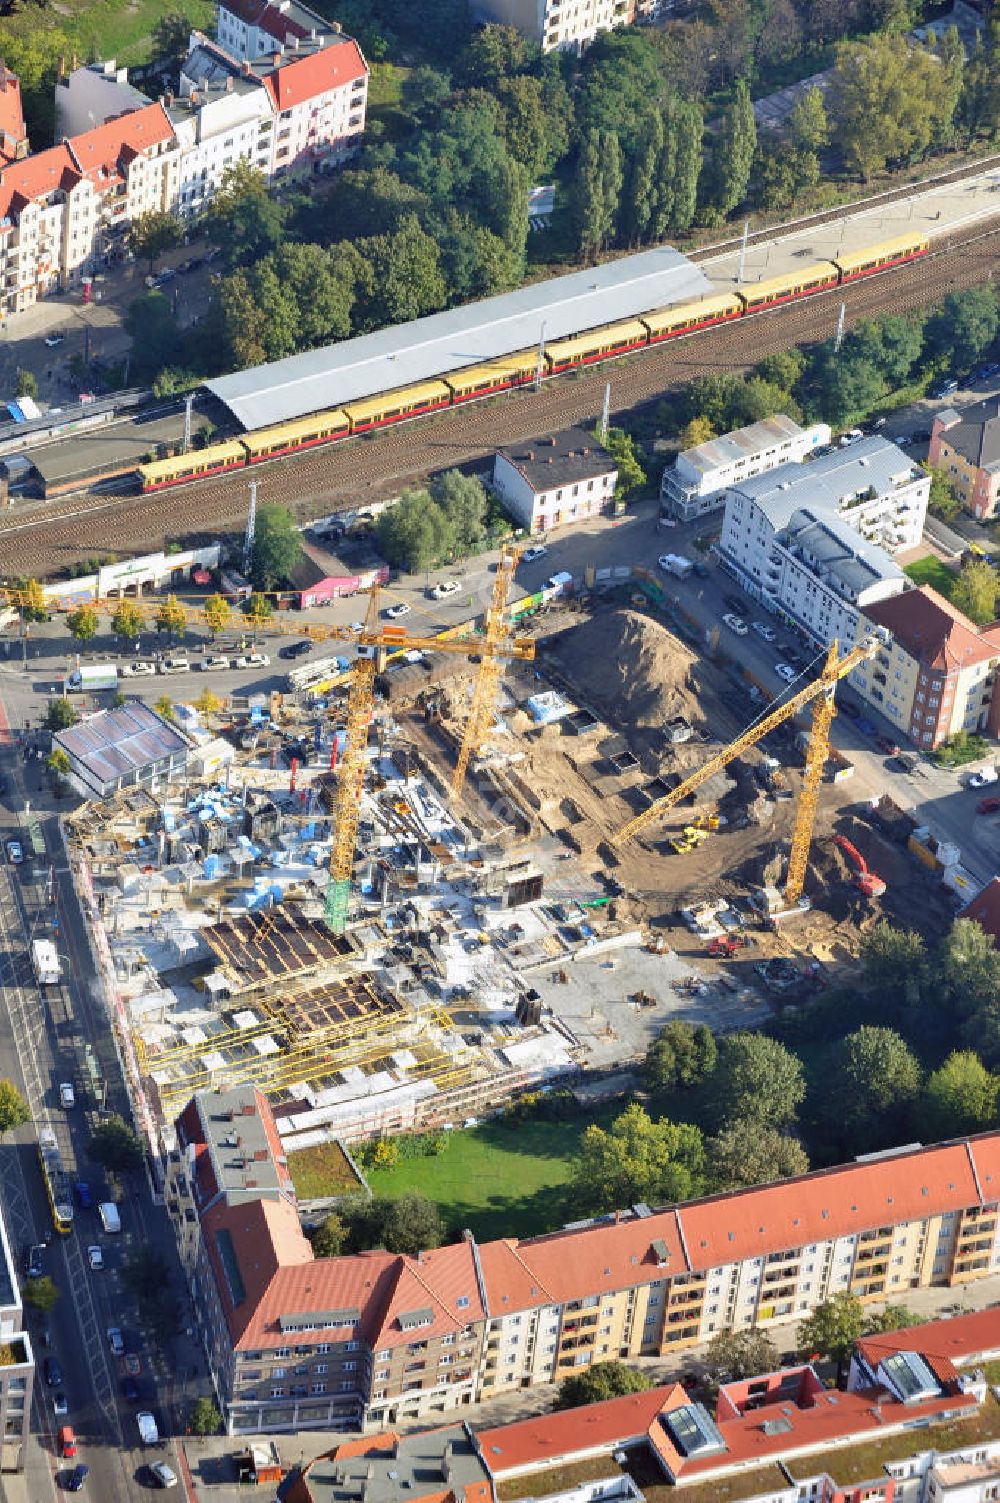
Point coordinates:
[(223, 116), (812, 542), (248, 29), (566, 24), (697, 481), (549, 482)]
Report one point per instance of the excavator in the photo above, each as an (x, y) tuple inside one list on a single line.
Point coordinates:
[(866, 881)]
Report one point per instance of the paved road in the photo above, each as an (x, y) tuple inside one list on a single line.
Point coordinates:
[(42, 1042)]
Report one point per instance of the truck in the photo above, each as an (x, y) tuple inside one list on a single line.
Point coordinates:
[(559, 584), (110, 1219), (148, 1432), (676, 564), (984, 777), (92, 678), (45, 961)]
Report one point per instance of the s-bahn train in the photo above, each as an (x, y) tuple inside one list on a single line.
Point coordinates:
[(521, 369)]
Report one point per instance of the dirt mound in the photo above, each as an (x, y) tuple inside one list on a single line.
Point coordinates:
[(636, 670)]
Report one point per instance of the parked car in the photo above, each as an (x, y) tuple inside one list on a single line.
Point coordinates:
[(77, 1478), (735, 624), (529, 555), (139, 670), (785, 671), (116, 1341), (53, 340), (296, 649), (852, 436), (988, 806), (67, 1096), (763, 630), (886, 744), (130, 1390), (986, 372), (445, 588), (15, 852), (735, 603), (84, 1198), (95, 1258), (903, 438), (396, 611), (215, 662), (162, 1475), (52, 1373), (60, 1404), (945, 389)]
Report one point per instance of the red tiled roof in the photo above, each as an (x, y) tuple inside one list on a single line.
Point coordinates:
[(297, 79), (932, 631), (310, 1285), (551, 1438), (952, 1343), (564, 1265), (833, 1419), (35, 176), (267, 1244), (435, 1281), (266, 17), (99, 152), (985, 909)]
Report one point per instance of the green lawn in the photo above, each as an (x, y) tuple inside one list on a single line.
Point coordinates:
[(123, 29), (931, 571), (499, 1179)]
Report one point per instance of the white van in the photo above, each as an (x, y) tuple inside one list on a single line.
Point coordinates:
[(148, 1432), (110, 1219)]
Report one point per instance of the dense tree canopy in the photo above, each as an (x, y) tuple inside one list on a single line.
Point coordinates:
[(682, 1054), (605, 1380), (637, 1159), (759, 1081)]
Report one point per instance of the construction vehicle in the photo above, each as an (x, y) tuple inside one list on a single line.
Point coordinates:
[(866, 881), (725, 946), (818, 693), (375, 642)]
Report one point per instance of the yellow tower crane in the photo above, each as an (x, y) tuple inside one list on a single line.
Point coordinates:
[(818, 693), (496, 644), (497, 632)]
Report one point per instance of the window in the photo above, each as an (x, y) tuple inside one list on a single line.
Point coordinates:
[(350, 1367), (321, 1367), (279, 1372), (277, 1393), (317, 1388)]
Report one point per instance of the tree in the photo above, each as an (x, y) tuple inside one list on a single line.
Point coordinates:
[(14, 1110), (27, 384), (405, 1224), (116, 1146), (322, 286), (243, 219), (171, 617), (895, 963), (889, 103), (42, 1293), (758, 1080), (783, 370), (204, 1418), (592, 216), (683, 1054), (145, 1271), (58, 762), (638, 1159), (745, 1153), (415, 533), (406, 280), (734, 1355), (31, 602), (698, 431), (83, 623), (157, 341), (975, 592), (329, 1237), (152, 233), (943, 500), (257, 610), (631, 473), (426, 92), (60, 714), (960, 1097), (127, 621), (643, 184), (964, 326), (217, 614), (164, 707), (494, 54), (833, 1328), (463, 500), (171, 35), (968, 974), (208, 703), (605, 1380), (807, 125), (878, 1070), (891, 1318), (734, 151), (277, 547)]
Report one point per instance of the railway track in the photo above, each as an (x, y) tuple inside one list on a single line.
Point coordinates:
[(46, 539)]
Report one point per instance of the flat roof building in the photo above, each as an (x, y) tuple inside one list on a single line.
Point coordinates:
[(118, 748), (443, 342), (696, 483), (549, 482)]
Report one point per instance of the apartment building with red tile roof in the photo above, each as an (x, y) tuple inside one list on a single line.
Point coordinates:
[(985, 910), (378, 1338), (569, 1435), (938, 674), (249, 28)]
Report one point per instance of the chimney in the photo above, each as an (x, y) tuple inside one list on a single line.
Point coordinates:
[(229, 84), (584, 452), (276, 59), (168, 98), (245, 67), (194, 97), (531, 453), (295, 44)]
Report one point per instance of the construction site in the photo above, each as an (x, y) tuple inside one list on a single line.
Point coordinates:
[(486, 865)]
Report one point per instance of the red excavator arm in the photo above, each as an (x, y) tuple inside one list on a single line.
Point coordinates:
[(868, 882)]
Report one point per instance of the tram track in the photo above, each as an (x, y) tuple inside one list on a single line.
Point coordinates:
[(42, 541)]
